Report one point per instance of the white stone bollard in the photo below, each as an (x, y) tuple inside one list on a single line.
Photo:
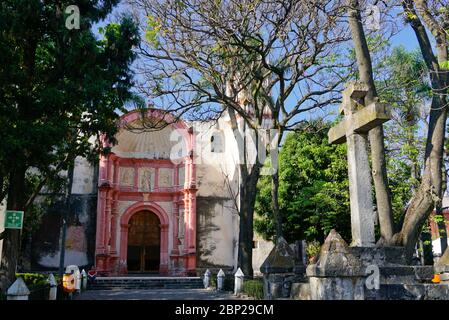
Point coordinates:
[(18, 290), (220, 280), (77, 281), (53, 287), (238, 283), (206, 280), (84, 280)]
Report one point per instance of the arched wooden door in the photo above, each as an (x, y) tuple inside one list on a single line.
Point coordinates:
[(144, 242)]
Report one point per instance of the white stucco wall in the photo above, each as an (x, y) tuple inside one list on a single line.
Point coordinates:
[(83, 177), (261, 252), (221, 239)]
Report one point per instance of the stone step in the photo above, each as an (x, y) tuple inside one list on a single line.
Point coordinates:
[(146, 283)]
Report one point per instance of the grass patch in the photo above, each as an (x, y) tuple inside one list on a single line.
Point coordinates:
[(253, 288)]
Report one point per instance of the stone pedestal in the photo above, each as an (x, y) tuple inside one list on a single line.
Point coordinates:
[(280, 270), (369, 273), (338, 274)]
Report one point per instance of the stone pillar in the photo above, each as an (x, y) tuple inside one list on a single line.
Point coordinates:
[(192, 221), (238, 281), (103, 170), (175, 250), (362, 215), (78, 279), (206, 280), (186, 222), (164, 249), (220, 280), (338, 274), (101, 208), (18, 290), (84, 280), (114, 213), (123, 249), (107, 223), (53, 287)]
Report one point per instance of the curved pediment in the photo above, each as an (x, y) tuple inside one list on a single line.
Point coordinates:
[(138, 138)]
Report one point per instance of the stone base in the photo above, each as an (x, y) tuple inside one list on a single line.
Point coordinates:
[(337, 288), (419, 291), (300, 291), (279, 285), (374, 273)]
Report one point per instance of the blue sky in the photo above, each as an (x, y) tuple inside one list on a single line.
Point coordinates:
[(406, 38)]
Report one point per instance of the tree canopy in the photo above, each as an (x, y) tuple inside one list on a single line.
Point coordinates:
[(58, 88), (313, 188)]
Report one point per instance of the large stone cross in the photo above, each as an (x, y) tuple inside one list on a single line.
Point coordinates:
[(353, 130)]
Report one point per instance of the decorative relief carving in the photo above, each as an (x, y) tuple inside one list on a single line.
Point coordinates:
[(127, 176), (165, 177), (146, 179)]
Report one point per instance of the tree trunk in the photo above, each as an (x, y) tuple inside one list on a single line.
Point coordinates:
[(442, 232), (275, 202), (249, 175), (11, 240), (430, 190), (248, 191), (274, 143), (376, 135)]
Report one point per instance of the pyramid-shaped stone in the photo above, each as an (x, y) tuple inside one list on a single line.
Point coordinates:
[(18, 288), (281, 258), (335, 259)]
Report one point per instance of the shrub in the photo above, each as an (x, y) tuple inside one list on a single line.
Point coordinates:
[(33, 279), (37, 284), (253, 288)]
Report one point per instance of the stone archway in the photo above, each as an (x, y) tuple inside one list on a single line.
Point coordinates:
[(163, 237)]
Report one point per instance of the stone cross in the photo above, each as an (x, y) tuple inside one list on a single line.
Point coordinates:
[(353, 130)]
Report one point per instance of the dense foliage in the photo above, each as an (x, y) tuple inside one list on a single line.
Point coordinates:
[(313, 191)]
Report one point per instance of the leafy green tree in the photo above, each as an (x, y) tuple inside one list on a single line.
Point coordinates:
[(58, 88), (313, 188)]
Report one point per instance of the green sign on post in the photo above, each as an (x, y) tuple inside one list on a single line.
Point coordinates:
[(13, 219)]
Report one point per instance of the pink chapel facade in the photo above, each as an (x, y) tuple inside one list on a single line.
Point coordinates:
[(138, 176)]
